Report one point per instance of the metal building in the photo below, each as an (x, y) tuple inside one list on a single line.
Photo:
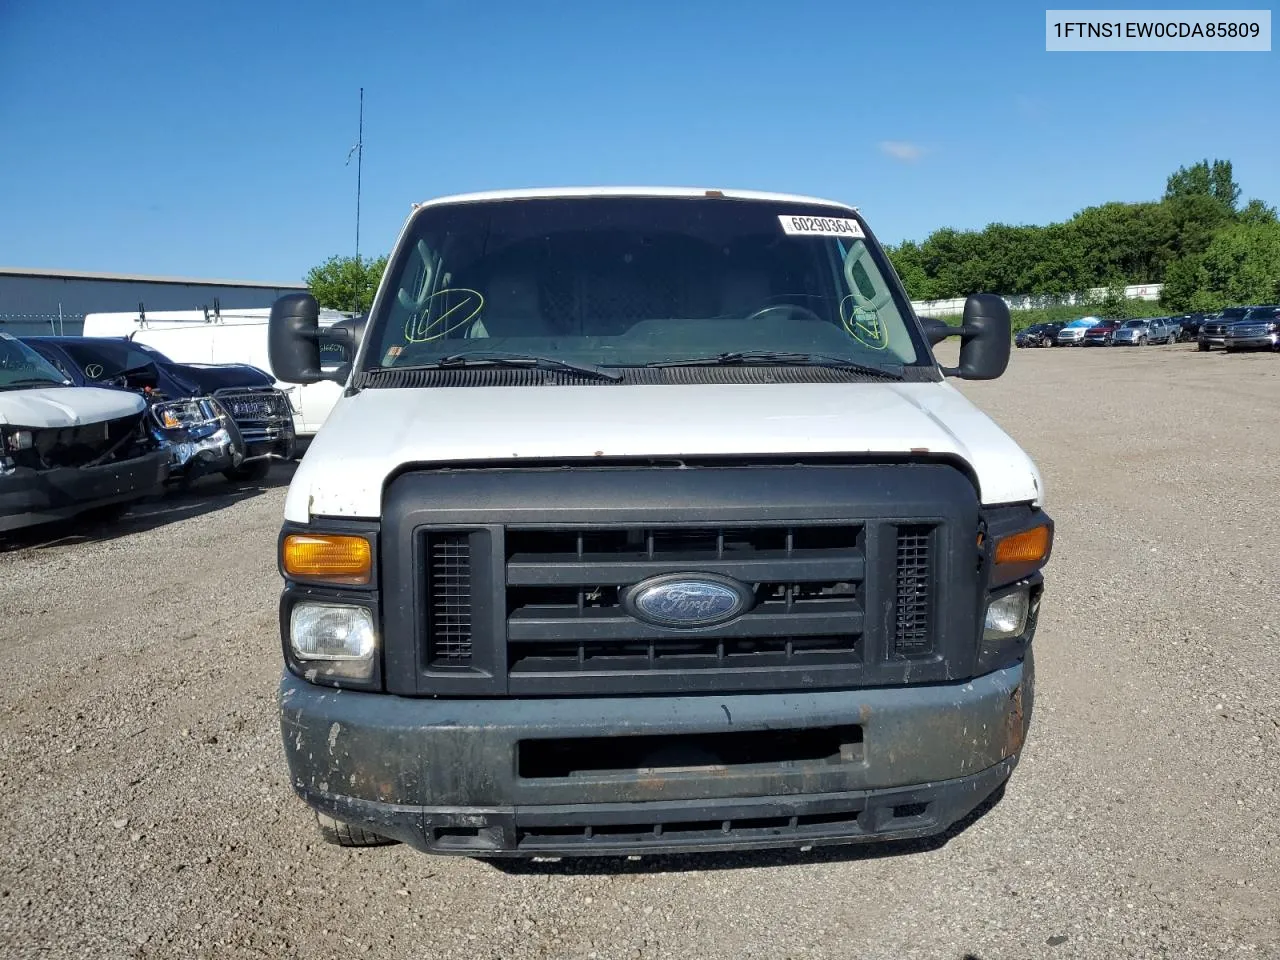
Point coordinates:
[(55, 301)]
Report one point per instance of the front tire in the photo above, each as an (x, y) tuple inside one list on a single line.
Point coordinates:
[(343, 834), (1202, 347)]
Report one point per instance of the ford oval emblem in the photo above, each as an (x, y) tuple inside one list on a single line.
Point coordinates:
[(687, 600)]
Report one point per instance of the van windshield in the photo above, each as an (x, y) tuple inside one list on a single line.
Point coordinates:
[(629, 281)]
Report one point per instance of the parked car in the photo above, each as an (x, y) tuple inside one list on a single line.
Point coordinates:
[(1139, 333), (1190, 326), (67, 450), (1101, 334), (214, 418), (1259, 329), (1072, 335), (1213, 332), (1038, 335)]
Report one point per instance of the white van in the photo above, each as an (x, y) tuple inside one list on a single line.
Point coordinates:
[(648, 522), (237, 336)]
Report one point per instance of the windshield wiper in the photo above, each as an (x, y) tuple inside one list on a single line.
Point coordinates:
[(508, 360), (783, 358), (31, 382)]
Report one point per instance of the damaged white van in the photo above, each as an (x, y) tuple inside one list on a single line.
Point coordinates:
[(647, 522)]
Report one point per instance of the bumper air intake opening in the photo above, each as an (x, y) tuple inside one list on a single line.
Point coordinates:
[(599, 756)]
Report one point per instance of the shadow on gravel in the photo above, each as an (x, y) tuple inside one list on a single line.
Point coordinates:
[(207, 495), (849, 853)]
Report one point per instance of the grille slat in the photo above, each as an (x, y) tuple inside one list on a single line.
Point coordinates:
[(767, 620), (570, 570), (912, 629), (449, 587)]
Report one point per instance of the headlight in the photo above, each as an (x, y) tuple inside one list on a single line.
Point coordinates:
[(339, 638), (19, 440), (1007, 615), (189, 415)]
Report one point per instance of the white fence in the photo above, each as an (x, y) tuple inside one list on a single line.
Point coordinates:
[(1022, 301)]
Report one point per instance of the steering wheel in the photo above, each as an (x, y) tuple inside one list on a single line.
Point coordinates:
[(788, 308)]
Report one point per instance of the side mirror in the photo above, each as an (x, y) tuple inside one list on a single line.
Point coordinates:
[(347, 335), (985, 333), (293, 341), (935, 330)]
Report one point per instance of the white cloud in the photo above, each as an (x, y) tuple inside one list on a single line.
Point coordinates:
[(902, 150)]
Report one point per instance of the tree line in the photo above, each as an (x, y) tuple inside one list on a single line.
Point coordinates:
[(1208, 250), (1198, 240)]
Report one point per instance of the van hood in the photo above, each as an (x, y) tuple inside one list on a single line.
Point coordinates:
[(53, 407), (368, 437)]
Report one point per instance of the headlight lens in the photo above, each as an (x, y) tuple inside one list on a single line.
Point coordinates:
[(339, 638), (20, 440), (1007, 615), (190, 415)]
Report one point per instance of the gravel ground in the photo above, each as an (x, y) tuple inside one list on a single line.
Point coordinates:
[(147, 811)]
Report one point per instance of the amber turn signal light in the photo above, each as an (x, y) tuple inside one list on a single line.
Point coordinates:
[(333, 558), (1029, 546)]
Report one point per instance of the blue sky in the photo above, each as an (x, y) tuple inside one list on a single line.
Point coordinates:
[(142, 137)]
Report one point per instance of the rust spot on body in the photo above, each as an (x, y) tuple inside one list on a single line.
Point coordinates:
[(1016, 728)]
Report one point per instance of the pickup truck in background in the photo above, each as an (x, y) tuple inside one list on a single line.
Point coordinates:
[(68, 451), (1072, 335), (1259, 329), (1101, 334), (214, 418), (236, 337), (1139, 333), (1213, 332)]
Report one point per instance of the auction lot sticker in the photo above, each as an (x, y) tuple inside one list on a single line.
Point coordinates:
[(820, 226)]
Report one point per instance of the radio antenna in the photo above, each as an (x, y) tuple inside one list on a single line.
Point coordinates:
[(358, 150)]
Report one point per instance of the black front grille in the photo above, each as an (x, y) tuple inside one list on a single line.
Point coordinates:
[(911, 635), (260, 415), (565, 611), (449, 587), (527, 582)]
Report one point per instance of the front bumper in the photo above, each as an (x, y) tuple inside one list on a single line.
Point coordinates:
[(1267, 341), (264, 420), (193, 458), (29, 497), (447, 776)]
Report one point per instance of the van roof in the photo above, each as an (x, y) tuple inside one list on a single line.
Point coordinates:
[(551, 192)]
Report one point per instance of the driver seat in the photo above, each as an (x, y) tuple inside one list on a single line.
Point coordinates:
[(512, 308)]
